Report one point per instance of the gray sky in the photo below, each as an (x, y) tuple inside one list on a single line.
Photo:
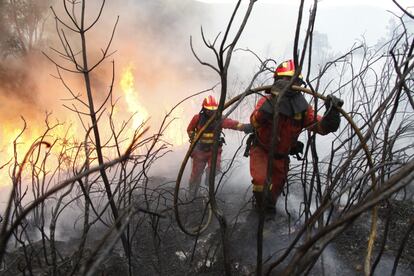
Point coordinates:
[(346, 19), (387, 4), (271, 27)]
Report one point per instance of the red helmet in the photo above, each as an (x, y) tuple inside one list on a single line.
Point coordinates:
[(210, 103), (285, 69)]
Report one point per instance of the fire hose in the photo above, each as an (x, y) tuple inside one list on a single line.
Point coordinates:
[(201, 229)]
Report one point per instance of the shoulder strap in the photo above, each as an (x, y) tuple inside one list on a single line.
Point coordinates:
[(302, 122)]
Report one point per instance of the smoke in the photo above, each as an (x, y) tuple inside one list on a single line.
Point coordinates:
[(155, 39), (15, 84), (152, 37)]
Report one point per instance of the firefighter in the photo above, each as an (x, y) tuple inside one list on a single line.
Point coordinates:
[(295, 114), (202, 153)]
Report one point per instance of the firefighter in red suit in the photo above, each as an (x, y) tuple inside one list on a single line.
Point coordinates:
[(295, 114), (202, 153)]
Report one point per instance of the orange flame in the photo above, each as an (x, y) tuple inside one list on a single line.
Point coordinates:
[(63, 136), (134, 106), (69, 137), (174, 134)]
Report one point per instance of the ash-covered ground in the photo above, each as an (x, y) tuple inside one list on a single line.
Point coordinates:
[(161, 248)]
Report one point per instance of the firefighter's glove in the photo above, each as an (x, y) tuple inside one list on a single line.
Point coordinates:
[(331, 119), (333, 102), (247, 128), (297, 150), (249, 143)]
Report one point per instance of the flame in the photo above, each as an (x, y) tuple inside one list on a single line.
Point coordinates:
[(61, 136), (174, 134), (69, 137), (133, 104)]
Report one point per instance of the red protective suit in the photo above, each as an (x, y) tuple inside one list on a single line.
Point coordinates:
[(288, 130), (202, 153)]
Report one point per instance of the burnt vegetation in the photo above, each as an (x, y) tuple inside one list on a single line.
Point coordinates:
[(96, 188)]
